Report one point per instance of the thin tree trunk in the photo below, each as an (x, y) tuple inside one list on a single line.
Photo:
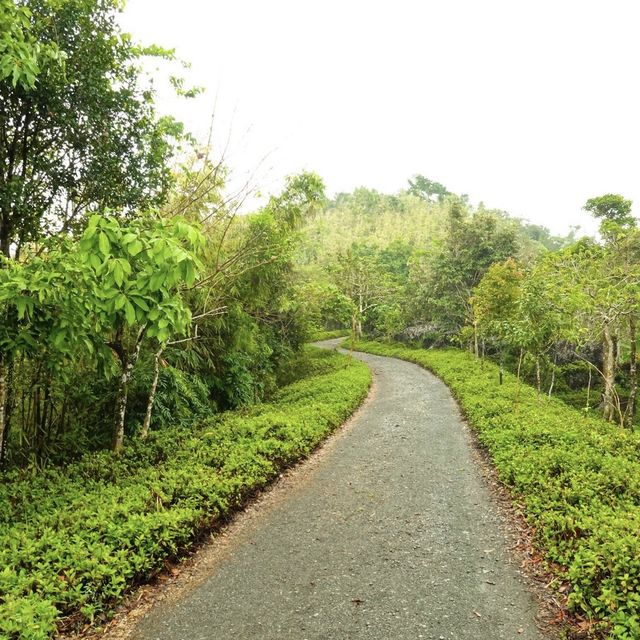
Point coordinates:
[(538, 378), (353, 331), (63, 417), (9, 366), (519, 387), (475, 340), (553, 375), (520, 357), (3, 406), (152, 394), (37, 422), (588, 389), (608, 371), (121, 398), (630, 411)]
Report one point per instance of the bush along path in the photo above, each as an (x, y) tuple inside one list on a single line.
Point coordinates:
[(74, 540), (578, 477), (392, 534)]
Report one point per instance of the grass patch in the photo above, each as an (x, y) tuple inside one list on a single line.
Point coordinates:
[(75, 539), (577, 475)]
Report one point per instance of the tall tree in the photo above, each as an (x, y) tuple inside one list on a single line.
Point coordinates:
[(78, 130), (611, 208), (137, 273), (427, 189), (443, 281), (619, 231), (359, 275)]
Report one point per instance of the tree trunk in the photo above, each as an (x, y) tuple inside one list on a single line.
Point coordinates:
[(630, 411), (608, 372), (553, 375), (538, 378), (10, 368), (475, 339), (152, 394), (3, 406), (353, 331), (519, 379), (520, 357), (121, 399)]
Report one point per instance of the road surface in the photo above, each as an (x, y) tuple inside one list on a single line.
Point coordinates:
[(393, 535)]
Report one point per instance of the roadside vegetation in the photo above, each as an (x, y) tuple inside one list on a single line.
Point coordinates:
[(328, 335), (537, 337), (577, 475), (152, 364), (73, 540)]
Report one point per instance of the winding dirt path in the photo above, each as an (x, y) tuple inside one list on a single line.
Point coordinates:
[(391, 534)]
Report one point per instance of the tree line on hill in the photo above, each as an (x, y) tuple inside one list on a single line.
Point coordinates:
[(425, 266)]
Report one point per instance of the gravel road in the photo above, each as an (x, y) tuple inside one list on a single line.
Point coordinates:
[(393, 535)]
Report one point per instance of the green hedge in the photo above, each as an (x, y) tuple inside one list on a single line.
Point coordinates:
[(328, 335), (74, 540), (578, 476)]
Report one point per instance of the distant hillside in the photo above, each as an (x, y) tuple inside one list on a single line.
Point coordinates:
[(416, 218)]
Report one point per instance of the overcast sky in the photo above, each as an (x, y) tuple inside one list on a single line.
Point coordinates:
[(529, 106)]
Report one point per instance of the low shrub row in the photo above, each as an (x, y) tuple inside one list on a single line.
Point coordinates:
[(577, 475), (328, 335), (74, 539)]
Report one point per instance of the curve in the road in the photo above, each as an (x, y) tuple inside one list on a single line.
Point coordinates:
[(394, 536)]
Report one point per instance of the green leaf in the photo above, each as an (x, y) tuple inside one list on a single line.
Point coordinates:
[(104, 244), (140, 302), (118, 274), (157, 280), (126, 267), (120, 302), (21, 305), (95, 261), (93, 222), (130, 313), (135, 248), (190, 276)]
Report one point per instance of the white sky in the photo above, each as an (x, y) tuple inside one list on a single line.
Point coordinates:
[(530, 106)]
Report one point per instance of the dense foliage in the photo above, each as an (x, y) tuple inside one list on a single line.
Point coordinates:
[(408, 263), (577, 475), (75, 539), (120, 254), (577, 307), (426, 265)]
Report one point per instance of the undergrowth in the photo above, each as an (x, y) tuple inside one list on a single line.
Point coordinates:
[(75, 539), (577, 475)]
